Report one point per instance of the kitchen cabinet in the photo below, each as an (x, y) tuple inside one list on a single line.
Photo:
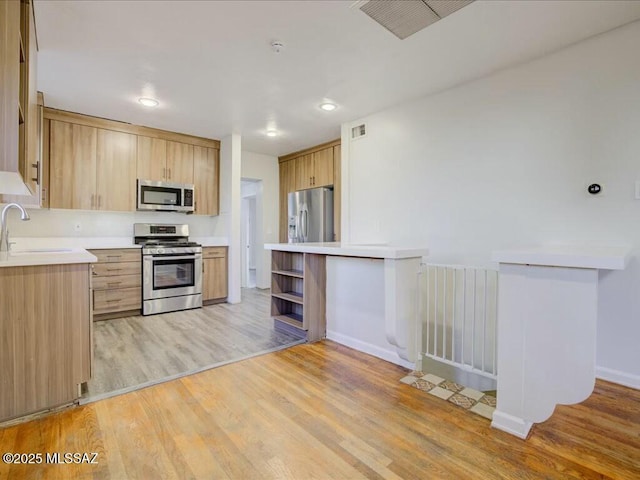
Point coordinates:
[(18, 98), (315, 169), (72, 157), (115, 181), (117, 281), (206, 174), (162, 160), (298, 304), (91, 168), (46, 336), (287, 185), (317, 166), (214, 274), (80, 147)]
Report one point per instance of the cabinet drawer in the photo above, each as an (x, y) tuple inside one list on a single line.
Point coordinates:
[(119, 268), (214, 252), (118, 255), (116, 281), (106, 301)]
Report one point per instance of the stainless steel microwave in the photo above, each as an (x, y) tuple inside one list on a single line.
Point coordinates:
[(165, 196)]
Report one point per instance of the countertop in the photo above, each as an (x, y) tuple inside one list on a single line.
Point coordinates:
[(348, 250), (50, 256), (28, 243), (604, 258)]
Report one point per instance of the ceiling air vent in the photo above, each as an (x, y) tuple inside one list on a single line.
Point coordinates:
[(358, 132), (406, 17)]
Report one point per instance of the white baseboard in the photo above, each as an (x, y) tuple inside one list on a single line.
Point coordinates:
[(376, 351), (616, 376), (510, 424)]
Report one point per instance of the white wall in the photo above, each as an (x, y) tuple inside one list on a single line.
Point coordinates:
[(506, 160), (256, 166), (64, 223)]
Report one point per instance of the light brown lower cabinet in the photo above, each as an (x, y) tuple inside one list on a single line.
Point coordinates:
[(45, 327), (214, 274), (117, 283)]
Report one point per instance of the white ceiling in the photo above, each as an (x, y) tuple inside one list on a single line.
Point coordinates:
[(211, 66)]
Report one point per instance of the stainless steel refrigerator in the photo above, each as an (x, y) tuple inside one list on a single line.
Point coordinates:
[(311, 215)]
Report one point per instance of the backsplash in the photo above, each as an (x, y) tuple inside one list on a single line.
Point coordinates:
[(88, 223)]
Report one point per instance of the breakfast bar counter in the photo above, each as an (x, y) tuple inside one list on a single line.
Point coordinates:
[(363, 296)]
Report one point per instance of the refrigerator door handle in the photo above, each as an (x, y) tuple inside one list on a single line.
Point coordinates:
[(305, 223)]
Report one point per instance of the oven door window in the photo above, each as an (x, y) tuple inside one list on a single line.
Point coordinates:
[(169, 273)]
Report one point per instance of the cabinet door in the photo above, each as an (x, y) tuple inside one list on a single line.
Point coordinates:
[(214, 280), (304, 172), (337, 190), (179, 162), (322, 175), (206, 171), (151, 161), (9, 84), (30, 168), (116, 168), (72, 157), (287, 184)]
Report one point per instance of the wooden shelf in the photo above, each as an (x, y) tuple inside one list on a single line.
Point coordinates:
[(292, 319), (294, 297), (290, 273)]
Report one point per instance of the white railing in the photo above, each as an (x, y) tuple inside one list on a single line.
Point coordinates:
[(458, 315)]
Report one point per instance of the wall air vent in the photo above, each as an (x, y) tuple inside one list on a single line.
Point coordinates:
[(358, 132), (406, 17)]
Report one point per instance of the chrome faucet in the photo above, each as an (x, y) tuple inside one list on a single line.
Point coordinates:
[(4, 231)]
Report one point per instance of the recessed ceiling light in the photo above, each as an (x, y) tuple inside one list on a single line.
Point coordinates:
[(272, 133), (148, 102), (328, 106)]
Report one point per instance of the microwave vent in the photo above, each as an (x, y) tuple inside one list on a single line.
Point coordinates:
[(406, 17), (359, 131)]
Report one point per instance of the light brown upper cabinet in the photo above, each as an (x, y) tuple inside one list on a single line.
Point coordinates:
[(314, 169), (18, 96), (179, 162), (151, 163), (72, 157), (116, 168), (206, 173), (91, 168), (163, 160), (94, 162)]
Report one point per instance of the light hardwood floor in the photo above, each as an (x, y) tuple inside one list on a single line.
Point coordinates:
[(139, 350), (323, 411)]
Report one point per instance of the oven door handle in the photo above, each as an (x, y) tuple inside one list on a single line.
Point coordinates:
[(170, 256)]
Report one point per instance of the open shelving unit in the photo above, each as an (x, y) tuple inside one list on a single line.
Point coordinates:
[(298, 294)]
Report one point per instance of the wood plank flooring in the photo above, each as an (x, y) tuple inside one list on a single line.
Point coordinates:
[(323, 411), (137, 350)]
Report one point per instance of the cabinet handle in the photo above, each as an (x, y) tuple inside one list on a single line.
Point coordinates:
[(113, 269), (37, 179), (169, 174), (115, 300), (92, 200), (164, 173), (114, 256), (99, 201), (114, 283)]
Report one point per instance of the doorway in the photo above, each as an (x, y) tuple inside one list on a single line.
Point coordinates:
[(251, 255)]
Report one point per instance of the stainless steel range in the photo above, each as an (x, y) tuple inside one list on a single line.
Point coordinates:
[(171, 268)]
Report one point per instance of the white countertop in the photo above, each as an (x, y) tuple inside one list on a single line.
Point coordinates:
[(29, 243), (50, 256), (604, 258), (346, 250)]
